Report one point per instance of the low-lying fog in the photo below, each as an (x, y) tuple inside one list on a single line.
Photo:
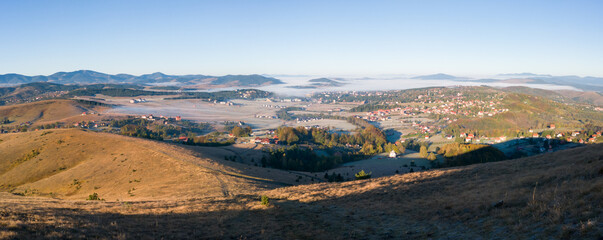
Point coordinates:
[(382, 83)]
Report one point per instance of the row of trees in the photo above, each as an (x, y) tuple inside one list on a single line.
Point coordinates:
[(457, 154), (335, 148), (138, 127), (306, 159)]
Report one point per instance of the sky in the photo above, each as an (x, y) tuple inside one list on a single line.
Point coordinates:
[(302, 37)]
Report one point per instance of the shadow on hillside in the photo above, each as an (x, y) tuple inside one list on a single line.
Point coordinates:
[(461, 203)]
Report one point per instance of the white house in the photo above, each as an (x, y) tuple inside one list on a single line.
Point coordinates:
[(392, 154)]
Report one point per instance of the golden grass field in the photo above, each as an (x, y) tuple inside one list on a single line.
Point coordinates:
[(159, 190), (48, 111)]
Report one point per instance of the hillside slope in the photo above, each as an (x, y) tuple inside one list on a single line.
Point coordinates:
[(551, 196), (44, 111), (555, 195), (72, 164)]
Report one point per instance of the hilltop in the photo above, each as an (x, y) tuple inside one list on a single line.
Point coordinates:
[(48, 111), (71, 164), (319, 83)]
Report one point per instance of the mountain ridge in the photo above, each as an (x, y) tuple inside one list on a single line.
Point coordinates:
[(91, 77)]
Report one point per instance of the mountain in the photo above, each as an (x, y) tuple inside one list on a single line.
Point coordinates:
[(91, 77), (322, 80), (439, 76), (246, 80), (522, 75)]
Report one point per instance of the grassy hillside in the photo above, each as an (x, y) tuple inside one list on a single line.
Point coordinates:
[(554, 195), (72, 164), (551, 196), (44, 111), (526, 111)]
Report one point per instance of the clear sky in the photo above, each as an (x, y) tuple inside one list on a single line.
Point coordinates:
[(302, 37)]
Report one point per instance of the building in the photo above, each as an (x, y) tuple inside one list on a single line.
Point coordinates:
[(392, 154)]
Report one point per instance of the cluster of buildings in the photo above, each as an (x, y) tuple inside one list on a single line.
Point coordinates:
[(273, 106), (265, 140), (138, 100), (266, 116)]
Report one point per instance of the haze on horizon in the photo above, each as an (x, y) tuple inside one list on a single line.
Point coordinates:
[(309, 37)]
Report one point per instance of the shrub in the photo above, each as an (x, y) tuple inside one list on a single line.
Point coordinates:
[(362, 175), (265, 200), (94, 197)]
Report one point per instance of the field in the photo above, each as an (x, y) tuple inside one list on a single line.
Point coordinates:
[(554, 195)]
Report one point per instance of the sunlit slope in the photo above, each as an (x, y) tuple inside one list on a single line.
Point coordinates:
[(43, 112), (555, 194), (74, 163)]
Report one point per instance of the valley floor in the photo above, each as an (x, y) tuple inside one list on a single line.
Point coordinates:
[(550, 196)]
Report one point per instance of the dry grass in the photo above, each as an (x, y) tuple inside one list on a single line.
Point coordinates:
[(44, 112), (73, 164), (551, 196)]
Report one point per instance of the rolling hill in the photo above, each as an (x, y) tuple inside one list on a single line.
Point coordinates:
[(177, 193), (72, 164), (44, 112), (568, 96)]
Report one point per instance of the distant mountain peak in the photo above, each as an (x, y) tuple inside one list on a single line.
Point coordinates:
[(437, 76), (91, 77)]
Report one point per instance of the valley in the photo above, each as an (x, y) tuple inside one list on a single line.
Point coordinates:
[(118, 162)]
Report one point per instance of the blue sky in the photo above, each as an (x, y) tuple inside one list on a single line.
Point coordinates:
[(302, 37)]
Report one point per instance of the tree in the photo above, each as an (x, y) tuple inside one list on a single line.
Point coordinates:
[(237, 131), (431, 157), (362, 175), (423, 152)]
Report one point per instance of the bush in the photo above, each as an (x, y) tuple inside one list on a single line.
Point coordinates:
[(265, 200), (362, 175), (94, 197)]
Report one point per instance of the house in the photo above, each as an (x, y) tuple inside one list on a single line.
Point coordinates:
[(552, 126), (392, 154), (534, 134)]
